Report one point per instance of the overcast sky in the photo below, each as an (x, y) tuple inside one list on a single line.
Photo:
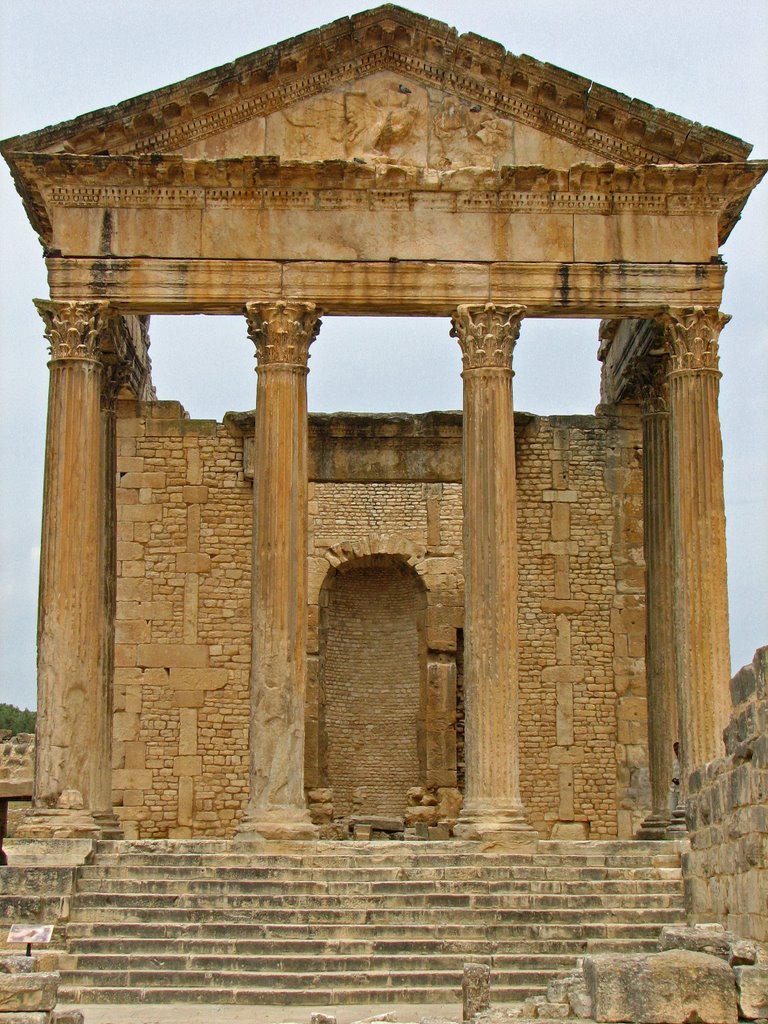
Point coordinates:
[(705, 60)]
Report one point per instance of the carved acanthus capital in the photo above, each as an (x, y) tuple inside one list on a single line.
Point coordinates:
[(487, 334), (282, 331), (651, 377), (74, 329), (691, 336)]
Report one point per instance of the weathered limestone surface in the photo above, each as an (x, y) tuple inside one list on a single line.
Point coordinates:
[(698, 534), (752, 983), (72, 783), (726, 871), (184, 627), (475, 989), (673, 987), (492, 801), (382, 164), (659, 560), (33, 992), (277, 808)]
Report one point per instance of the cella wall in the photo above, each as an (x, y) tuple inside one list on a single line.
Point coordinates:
[(385, 647)]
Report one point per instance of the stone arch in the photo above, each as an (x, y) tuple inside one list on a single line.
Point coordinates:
[(371, 679)]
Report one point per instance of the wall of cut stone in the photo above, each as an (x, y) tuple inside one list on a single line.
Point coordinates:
[(381, 487), (726, 870), (17, 766)]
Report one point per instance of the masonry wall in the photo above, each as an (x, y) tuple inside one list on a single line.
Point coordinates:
[(381, 487), (373, 670), (726, 870)]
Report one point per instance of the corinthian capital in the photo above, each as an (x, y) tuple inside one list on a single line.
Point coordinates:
[(282, 331), (652, 388), (691, 336), (487, 334), (74, 329)]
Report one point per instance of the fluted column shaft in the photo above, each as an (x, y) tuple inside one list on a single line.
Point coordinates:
[(698, 528), (72, 794), (659, 575), (282, 333), (492, 803)]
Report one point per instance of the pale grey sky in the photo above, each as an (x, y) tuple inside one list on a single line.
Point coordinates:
[(702, 59)]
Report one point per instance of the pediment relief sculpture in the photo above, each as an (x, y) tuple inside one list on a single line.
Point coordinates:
[(389, 118), (376, 79)]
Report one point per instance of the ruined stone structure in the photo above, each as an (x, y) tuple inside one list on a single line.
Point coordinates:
[(435, 616)]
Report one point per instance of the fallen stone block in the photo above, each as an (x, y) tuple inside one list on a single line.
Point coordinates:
[(752, 986), (322, 1018), (67, 1017), (501, 1015), (711, 938), (389, 1015), (743, 952), (673, 987), (28, 992), (15, 963), (475, 989)]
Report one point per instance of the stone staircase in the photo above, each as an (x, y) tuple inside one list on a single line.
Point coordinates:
[(340, 923)]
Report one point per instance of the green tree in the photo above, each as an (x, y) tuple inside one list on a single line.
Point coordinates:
[(17, 719)]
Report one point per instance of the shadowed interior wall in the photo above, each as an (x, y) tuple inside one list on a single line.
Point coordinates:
[(372, 659)]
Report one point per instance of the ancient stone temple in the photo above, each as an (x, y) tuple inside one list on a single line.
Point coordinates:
[(273, 626)]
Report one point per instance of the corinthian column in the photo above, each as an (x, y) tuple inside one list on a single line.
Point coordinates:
[(72, 794), (659, 588), (282, 333), (698, 532), (492, 803)]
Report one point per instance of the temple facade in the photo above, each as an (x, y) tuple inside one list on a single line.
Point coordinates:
[(271, 627)]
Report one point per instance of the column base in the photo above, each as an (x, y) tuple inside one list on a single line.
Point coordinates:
[(677, 828), (497, 827), (67, 823), (655, 826), (286, 825)]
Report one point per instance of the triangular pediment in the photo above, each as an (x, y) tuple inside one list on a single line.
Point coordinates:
[(391, 118), (389, 86)]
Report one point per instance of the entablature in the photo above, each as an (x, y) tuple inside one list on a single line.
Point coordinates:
[(193, 193), (387, 288)]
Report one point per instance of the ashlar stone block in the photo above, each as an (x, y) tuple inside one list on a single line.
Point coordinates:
[(674, 987), (28, 992)]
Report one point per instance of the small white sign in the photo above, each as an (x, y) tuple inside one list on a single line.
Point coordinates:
[(30, 933)]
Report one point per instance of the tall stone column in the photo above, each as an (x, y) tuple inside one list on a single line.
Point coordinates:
[(72, 794), (492, 803), (282, 333), (698, 533), (113, 380), (659, 587)]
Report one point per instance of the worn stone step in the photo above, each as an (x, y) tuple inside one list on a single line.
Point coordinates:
[(329, 854), (107, 883), (511, 865), (369, 993), (394, 895), (129, 945), (207, 921), (183, 909), (390, 926), (305, 961)]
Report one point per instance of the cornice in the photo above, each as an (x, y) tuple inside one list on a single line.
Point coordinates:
[(548, 98), (170, 182)]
